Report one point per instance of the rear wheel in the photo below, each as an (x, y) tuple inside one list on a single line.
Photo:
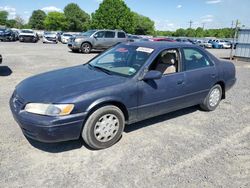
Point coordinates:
[(213, 98), (104, 127), (86, 48)]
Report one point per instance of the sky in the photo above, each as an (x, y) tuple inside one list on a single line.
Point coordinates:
[(167, 14)]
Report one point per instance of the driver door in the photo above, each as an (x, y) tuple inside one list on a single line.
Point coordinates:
[(160, 96), (99, 39)]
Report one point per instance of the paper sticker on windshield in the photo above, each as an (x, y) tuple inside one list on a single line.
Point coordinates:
[(146, 50)]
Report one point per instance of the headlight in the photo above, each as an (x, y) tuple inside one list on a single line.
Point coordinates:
[(78, 40), (49, 109)]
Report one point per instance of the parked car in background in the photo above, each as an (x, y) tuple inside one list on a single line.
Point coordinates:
[(158, 39), (203, 44), (128, 83), (223, 43), (183, 40), (65, 38), (215, 44), (96, 39), (28, 35), (49, 37), (134, 38), (8, 35)]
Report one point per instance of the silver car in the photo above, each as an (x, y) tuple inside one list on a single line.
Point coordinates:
[(96, 39)]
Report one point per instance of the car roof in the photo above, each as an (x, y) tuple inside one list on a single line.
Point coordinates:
[(161, 45)]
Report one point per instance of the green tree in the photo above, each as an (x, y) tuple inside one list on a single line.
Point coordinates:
[(77, 19), (143, 25), (55, 21), (180, 32), (3, 17), (37, 18), (11, 23), (113, 14), (19, 22), (199, 32)]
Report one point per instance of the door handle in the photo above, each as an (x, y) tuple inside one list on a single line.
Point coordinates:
[(213, 75), (179, 82)]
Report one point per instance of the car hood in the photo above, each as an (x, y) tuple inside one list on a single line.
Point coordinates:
[(65, 84)]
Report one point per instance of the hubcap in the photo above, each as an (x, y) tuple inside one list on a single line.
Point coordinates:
[(106, 128), (86, 48), (214, 97)]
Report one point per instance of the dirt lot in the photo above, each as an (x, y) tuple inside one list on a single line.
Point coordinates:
[(187, 148)]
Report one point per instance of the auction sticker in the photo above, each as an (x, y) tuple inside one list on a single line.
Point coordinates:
[(146, 50)]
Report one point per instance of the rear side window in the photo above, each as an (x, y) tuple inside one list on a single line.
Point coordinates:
[(109, 34), (121, 35), (195, 59)]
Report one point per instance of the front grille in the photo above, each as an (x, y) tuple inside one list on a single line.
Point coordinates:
[(50, 38)]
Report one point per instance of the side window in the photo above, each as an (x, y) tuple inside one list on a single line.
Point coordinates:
[(121, 35), (100, 34), (194, 59), (109, 34), (166, 62)]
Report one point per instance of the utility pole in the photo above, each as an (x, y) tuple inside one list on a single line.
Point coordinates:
[(190, 24), (234, 39), (203, 26)]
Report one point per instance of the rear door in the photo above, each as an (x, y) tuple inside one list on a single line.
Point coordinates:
[(109, 39), (200, 74)]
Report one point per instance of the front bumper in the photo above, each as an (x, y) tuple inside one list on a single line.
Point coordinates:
[(49, 40), (45, 128), (74, 46)]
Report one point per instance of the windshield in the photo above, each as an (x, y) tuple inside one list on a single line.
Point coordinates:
[(49, 33), (123, 59), (26, 31), (88, 33), (67, 35)]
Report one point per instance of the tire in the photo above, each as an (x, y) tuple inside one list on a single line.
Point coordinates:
[(103, 127), (213, 98), (86, 48)]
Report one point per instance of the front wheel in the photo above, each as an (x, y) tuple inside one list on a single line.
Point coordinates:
[(86, 48), (104, 127), (213, 98)]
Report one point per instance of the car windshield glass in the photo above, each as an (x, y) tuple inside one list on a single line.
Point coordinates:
[(26, 31), (124, 59), (49, 33), (88, 33)]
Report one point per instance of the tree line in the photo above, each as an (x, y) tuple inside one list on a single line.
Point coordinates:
[(111, 14)]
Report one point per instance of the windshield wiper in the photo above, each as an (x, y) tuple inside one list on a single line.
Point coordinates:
[(101, 69)]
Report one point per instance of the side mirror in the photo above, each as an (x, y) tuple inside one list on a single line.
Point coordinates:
[(152, 75), (95, 36)]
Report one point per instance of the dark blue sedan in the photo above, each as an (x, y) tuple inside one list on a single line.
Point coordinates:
[(125, 84)]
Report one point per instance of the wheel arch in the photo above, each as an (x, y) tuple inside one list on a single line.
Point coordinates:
[(222, 84), (94, 106), (87, 42)]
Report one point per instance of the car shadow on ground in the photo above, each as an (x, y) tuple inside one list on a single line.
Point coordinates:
[(76, 144), (5, 71)]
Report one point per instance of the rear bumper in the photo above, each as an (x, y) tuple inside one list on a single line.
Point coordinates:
[(48, 129)]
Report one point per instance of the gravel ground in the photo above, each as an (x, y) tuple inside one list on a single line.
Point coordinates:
[(186, 148)]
